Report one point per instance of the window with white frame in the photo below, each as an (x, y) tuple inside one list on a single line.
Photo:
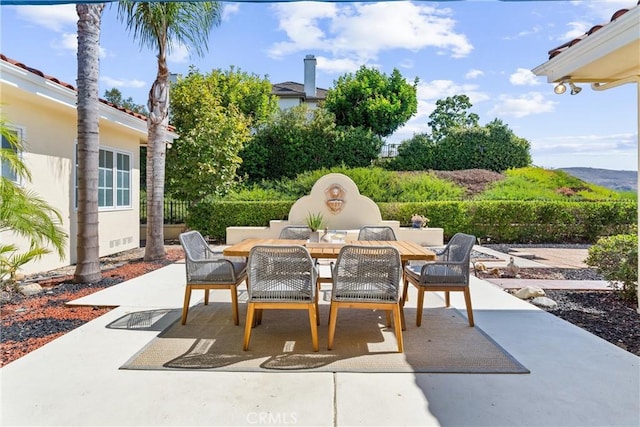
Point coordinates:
[(7, 171), (114, 178)]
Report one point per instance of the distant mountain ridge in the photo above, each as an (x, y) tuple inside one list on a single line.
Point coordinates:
[(613, 179)]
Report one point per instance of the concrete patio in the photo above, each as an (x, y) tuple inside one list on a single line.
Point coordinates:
[(576, 379)]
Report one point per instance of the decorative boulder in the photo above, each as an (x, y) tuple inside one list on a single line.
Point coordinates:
[(30, 289), (529, 292), (544, 302)]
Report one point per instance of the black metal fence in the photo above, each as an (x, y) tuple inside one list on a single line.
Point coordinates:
[(175, 211), (389, 150)]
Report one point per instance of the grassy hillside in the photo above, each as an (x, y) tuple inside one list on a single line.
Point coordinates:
[(387, 186)]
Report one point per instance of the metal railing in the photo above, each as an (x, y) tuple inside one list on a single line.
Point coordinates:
[(175, 211), (389, 150)]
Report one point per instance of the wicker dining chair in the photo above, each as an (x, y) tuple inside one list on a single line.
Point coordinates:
[(208, 270), (281, 277), (376, 232), (367, 277), (450, 272), (295, 232)]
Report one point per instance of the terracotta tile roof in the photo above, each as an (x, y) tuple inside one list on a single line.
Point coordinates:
[(562, 48), (69, 86), (295, 90)]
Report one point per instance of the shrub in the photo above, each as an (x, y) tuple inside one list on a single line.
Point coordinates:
[(616, 258)]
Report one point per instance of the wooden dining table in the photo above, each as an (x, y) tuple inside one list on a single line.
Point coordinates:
[(409, 251)]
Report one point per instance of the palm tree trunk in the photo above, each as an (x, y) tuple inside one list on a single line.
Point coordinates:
[(158, 105), (88, 245)]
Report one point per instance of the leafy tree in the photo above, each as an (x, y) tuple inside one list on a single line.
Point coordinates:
[(114, 96), (88, 243), (417, 153), (159, 26), (300, 139), (24, 213), (249, 93), (494, 147), (451, 113), (205, 158), (372, 100)]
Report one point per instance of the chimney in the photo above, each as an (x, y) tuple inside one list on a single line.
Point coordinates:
[(310, 76)]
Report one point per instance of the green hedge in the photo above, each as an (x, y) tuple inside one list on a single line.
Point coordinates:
[(213, 218), (501, 221)]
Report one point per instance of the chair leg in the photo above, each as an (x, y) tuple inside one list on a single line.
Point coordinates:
[(447, 299), (405, 290), (419, 308), (206, 297), (234, 304), (467, 300), (185, 307), (405, 295), (397, 309), (403, 323), (317, 311), (248, 325), (333, 316), (314, 325)]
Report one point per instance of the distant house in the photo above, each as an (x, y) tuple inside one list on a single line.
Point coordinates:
[(42, 111), (291, 94)]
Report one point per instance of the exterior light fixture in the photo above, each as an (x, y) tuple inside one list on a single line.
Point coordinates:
[(574, 89), (560, 88)]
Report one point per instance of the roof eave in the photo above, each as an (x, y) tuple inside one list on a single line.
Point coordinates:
[(614, 36)]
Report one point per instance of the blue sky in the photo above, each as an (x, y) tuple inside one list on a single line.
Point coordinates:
[(484, 49)]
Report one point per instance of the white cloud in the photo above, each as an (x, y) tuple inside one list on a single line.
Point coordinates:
[(337, 66), (428, 93), (300, 21), (534, 30), (576, 29), (473, 74), (362, 31), (439, 89), (522, 77), (56, 18), (111, 82), (611, 151), (179, 54), (407, 63), (601, 144), (229, 9), (522, 106), (604, 9)]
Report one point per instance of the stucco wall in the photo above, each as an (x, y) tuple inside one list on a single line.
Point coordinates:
[(49, 129)]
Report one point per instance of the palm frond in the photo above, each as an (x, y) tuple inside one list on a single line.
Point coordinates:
[(10, 156), (162, 25), (25, 213)]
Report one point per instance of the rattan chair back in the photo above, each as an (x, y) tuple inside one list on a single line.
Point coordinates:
[(281, 273), (367, 274), (371, 232), (295, 232)]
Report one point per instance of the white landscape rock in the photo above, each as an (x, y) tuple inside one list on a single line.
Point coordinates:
[(544, 302), (530, 292), (30, 289)]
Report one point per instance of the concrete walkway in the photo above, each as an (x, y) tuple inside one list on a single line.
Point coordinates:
[(576, 379), (567, 258)]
